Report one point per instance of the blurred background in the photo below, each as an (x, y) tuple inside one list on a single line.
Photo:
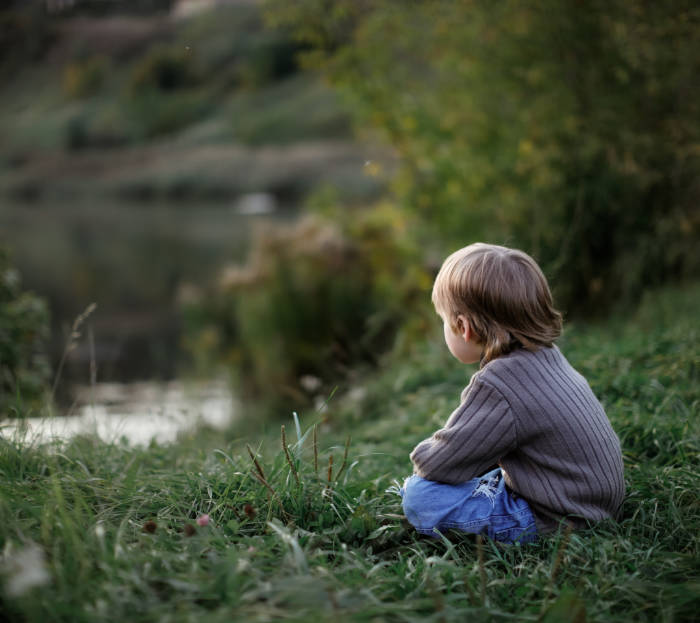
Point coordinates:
[(263, 191)]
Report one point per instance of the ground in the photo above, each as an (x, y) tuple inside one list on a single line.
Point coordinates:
[(305, 524)]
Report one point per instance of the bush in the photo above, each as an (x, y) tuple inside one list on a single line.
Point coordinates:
[(154, 113), (24, 328), (161, 95), (314, 299), (164, 69), (565, 128), (270, 58), (100, 127), (84, 78)]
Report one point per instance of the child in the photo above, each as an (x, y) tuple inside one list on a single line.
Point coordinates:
[(529, 444)]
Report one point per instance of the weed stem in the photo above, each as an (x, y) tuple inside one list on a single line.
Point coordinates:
[(345, 458), (289, 458)]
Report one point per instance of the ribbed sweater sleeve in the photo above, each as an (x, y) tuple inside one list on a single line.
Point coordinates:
[(477, 434)]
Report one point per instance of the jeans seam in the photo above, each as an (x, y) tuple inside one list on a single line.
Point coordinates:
[(461, 525)]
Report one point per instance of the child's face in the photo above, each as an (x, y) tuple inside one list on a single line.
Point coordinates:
[(462, 344)]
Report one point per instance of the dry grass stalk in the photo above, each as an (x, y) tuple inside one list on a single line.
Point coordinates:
[(345, 458), (71, 343), (288, 457), (259, 473), (330, 468)]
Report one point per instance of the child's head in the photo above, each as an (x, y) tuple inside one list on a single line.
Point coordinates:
[(504, 296)]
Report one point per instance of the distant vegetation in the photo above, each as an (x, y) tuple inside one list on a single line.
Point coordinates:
[(566, 128), (315, 301), (137, 94), (131, 138), (563, 129)]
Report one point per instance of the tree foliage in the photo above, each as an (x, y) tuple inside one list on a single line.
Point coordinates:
[(569, 129)]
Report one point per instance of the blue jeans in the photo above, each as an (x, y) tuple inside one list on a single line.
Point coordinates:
[(481, 505)]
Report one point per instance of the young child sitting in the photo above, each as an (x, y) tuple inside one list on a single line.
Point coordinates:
[(529, 444)]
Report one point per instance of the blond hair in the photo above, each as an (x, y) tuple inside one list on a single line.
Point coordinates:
[(503, 294)]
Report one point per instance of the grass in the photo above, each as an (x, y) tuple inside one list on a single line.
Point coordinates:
[(298, 535)]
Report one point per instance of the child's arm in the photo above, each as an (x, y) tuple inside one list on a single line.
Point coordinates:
[(477, 434)]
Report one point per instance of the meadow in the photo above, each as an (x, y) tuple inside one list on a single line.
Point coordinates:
[(303, 522)]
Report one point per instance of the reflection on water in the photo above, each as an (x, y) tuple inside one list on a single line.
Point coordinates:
[(140, 264), (137, 413)]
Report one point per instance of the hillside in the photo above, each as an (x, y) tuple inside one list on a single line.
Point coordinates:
[(201, 107)]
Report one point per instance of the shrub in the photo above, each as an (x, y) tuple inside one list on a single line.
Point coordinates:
[(161, 96), (271, 57), (314, 299), (164, 69), (84, 78), (565, 128), (99, 127), (24, 327), (154, 113)]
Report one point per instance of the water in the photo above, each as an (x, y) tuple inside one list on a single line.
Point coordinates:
[(137, 413), (141, 263)]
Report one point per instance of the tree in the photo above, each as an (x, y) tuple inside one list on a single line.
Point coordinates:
[(568, 129)]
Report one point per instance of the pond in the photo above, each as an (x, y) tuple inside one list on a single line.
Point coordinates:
[(138, 263), (135, 413)]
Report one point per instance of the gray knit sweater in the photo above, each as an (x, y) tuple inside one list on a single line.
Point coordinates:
[(536, 417)]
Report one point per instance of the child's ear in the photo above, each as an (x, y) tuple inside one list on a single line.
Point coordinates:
[(463, 327)]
